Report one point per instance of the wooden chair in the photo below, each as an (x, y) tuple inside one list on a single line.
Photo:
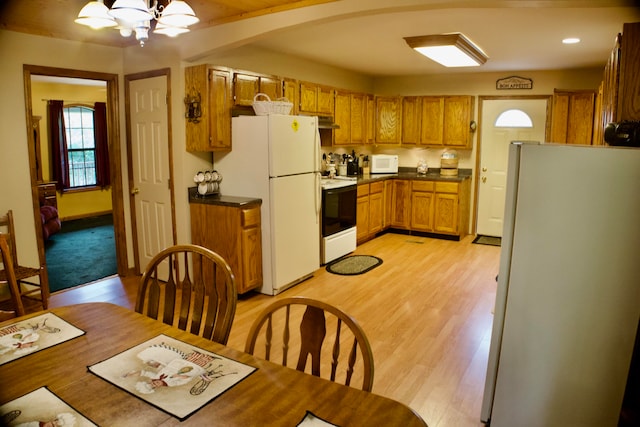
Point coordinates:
[(29, 288), (190, 287), (343, 331), (16, 301)]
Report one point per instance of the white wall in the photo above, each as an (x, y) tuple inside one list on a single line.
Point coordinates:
[(15, 50)]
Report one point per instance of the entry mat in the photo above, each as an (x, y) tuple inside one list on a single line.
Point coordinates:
[(172, 375), (41, 407), (488, 240), (36, 333), (353, 265)]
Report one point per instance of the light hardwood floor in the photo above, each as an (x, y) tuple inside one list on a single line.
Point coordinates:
[(426, 311)]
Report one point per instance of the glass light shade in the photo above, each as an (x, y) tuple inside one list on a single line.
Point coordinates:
[(178, 14), (450, 50), (95, 15), (449, 56), (170, 31), (131, 11)]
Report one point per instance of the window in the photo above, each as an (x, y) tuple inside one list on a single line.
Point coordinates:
[(81, 146), (513, 119)]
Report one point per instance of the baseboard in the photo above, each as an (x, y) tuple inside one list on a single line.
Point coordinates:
[(83, 216)]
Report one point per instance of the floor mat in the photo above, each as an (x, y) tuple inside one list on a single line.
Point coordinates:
[(353, 265), (488, 240)]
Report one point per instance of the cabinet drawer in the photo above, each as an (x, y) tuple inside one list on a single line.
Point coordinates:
[(376, 187), (250, 217), (446, 187), (48, 192), (422, 185), (363, 190)]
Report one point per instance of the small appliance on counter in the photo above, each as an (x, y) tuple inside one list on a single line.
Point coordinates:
[(449, 163), (384, 163)]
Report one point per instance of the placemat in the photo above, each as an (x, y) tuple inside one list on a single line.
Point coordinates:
[(27, 336), (172, 375), (41, 407), (312, 420)]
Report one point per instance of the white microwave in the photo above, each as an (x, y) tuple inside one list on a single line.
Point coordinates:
[(384, 163)]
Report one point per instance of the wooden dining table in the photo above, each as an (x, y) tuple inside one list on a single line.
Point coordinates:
[(273, 395)]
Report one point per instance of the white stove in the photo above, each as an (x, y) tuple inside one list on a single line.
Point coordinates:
[(339, 237)]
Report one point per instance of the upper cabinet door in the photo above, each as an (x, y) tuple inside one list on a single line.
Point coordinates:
[(388, 119), (247, 85), (431, 131), (457, 118)]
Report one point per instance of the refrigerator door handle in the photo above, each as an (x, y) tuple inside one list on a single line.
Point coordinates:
[(318, 190)]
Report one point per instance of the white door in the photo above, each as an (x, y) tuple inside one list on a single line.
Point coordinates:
[(153, 222), (494, 156)]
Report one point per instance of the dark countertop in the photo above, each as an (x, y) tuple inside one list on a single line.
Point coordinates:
[(433, 174), (221, 199)]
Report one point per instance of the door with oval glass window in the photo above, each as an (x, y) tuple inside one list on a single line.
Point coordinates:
[(494, 154)]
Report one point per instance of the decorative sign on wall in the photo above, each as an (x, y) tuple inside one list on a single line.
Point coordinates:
[(514, 82)]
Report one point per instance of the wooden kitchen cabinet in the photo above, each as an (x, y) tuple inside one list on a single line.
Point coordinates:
[(370, 133), (247, 84), (350, 114), (291, 91), (451, 208), (445, 121), (388, 119), (572, 117), (362, 213), (358, 126), (401, 204), (376, 207), (234, 232), (458, 113), (213, 85), (432, 118), (422, 205), (370, 210), (342, 117), (411, 120), (316, 99), (387, 203)]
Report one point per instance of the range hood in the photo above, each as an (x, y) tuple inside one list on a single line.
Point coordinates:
[(326, 122)]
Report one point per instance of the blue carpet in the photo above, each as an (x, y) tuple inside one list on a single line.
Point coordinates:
[(82, 251)]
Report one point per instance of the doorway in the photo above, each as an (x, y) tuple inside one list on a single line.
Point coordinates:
[(493, 148), (113, 136)]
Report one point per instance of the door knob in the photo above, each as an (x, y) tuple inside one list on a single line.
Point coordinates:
[(135, 191), (484, 169), (484, 179)]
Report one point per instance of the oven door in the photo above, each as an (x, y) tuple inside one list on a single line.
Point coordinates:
[(338, 209)]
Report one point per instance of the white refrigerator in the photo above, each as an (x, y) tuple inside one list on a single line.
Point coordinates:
[(568, 296), (276, 158)]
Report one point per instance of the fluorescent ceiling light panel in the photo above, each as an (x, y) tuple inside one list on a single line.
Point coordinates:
[(450, 50)]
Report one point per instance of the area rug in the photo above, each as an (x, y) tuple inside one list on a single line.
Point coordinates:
[(353, 265), (488, 240), (82, 252)]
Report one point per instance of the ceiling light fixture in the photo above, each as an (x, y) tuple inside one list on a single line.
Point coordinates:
[(135, 16), (450, 50)]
